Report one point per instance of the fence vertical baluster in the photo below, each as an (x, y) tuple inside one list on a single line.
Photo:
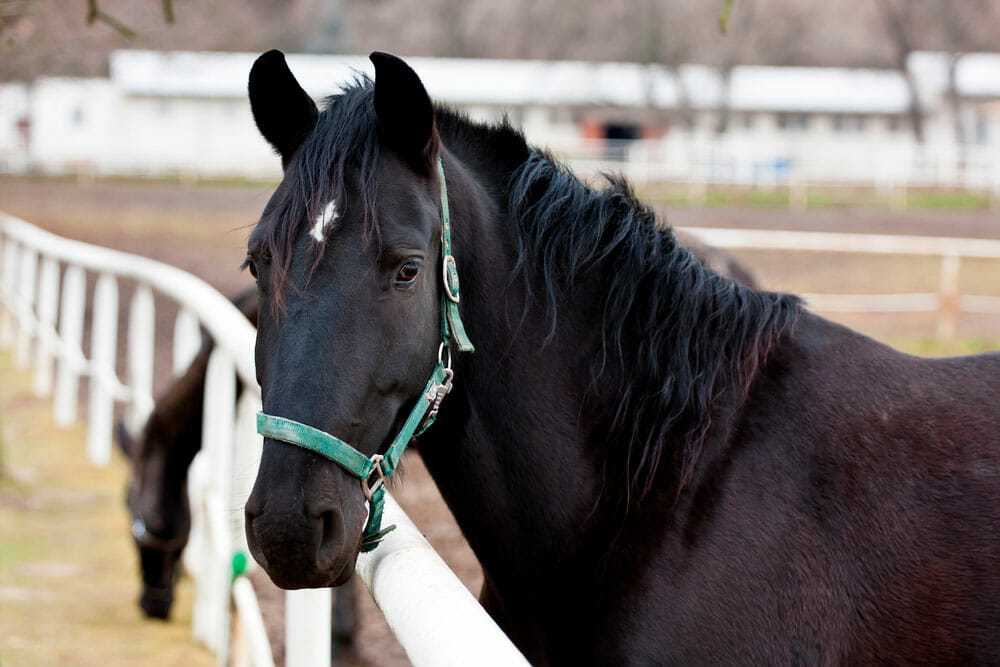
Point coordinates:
[(8, 322), (246, 459), (217, 443), (141, 340), (70, 352), (187, 340), (307, 627), (103, 343), (48, 308), (951, 264), (26, 287)]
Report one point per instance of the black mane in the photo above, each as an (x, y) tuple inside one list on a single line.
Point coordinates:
[(676, 336)]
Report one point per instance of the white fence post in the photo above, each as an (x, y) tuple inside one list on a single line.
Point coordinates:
[(951, 264), (307, 627), (217, 443), (70, 357), (187, 340), (8, 319), (141, 341), (25, 306), (103, 343), (48, 310)]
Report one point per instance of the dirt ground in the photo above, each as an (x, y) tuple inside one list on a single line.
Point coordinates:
[(203, 230)]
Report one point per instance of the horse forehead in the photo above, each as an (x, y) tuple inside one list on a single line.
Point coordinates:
[(324, 220)]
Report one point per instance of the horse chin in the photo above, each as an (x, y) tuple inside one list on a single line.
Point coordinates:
[(335, 576), (156, 602)]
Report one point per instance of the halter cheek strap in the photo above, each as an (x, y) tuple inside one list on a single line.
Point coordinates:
[(373, 471)]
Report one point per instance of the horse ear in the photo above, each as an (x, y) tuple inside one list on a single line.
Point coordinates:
[(125, 441), (284, 113), (404, 112)]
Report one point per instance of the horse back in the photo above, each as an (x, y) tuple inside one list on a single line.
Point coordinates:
[(849, 514)]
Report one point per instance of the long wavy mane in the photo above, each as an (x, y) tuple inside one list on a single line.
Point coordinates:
[(676, 336)]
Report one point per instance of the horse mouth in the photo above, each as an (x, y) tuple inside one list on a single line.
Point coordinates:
[(289, 549), (309, 578)]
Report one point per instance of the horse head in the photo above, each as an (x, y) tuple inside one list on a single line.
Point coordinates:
[(347, 258), (161, 519)]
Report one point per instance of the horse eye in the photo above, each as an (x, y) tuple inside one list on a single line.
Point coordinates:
[(408, 272), (251, 267)]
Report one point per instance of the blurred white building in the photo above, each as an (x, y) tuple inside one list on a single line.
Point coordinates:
[(187, 113)]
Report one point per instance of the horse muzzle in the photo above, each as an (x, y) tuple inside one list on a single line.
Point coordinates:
[(299, 551)]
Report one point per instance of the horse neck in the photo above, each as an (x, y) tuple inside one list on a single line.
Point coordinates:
[(171, 439), (576, 399), (514, 453)]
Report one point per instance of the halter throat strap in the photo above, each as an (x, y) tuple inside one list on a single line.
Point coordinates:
[(373, 471)]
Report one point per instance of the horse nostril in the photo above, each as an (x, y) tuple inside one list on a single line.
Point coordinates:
[(332, 536)]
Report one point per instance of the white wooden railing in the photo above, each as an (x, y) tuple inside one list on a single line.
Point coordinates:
[(947, 301), (436, 619)]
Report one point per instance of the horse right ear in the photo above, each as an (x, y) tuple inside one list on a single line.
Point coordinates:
[(284, 113)]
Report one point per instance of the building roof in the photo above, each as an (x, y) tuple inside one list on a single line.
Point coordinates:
[(978, 75), (558, 83)]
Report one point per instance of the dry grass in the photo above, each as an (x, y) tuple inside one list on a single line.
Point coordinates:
[(68, 572)]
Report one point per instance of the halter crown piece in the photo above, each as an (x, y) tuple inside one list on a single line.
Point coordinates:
[(421, 416)]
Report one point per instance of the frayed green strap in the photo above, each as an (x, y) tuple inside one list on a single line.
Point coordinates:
[(452, 329), (313, 439)]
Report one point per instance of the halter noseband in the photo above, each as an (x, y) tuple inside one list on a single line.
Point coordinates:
[(421, 416)]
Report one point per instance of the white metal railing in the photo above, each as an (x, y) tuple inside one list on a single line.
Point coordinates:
[(411, 584), (947, 301)]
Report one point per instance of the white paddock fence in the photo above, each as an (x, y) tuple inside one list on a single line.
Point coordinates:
[(947, 301), (435, 618)]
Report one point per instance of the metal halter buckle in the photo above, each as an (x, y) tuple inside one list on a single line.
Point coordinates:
[(370, 491), (449, 274)]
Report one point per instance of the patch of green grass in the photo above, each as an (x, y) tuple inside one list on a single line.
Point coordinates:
[(934, 199), (675, 196), (930, 347)]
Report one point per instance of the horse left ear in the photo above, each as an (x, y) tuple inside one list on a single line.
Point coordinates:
[(405, 113), (284, 113)]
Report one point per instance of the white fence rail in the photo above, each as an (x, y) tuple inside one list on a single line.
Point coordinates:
[(46, 327), (947, 301), (891, 167)]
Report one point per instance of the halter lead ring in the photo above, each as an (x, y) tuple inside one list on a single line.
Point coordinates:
[(421, 416)]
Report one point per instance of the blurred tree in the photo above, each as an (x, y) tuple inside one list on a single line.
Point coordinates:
[(900, 17), (53, 36)]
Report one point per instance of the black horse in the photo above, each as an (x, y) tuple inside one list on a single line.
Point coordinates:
[(653, 464)]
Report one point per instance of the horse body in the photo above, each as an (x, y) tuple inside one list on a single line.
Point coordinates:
[(652, 463), (832, 517)]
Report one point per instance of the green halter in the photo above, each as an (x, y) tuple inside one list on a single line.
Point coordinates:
[(421, 417)]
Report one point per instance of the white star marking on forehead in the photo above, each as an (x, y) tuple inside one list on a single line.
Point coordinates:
[(323, 221)]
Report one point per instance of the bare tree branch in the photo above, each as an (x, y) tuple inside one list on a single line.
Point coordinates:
[(94, 14), (724, 18)]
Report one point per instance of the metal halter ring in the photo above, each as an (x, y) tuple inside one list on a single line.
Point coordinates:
[(441, 356), (450, 273), (369, 491)]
